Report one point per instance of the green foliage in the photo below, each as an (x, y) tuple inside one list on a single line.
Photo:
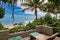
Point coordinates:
[(40, 20), (17, 29), (33, 4), (54, 22), (2, 27), (57, 28), (58, 22), (56, 2), (34, 22), (2, 12), (48, 15), (9, 1), (52, 6), (4, 1), (48, 19), (5, 29), (30, 26)]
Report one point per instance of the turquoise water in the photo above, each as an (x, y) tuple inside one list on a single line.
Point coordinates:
[(19, 14)]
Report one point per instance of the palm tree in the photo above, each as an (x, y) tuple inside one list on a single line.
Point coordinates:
[(0, 1), (56, 6), (2, 13), (33, 4), (12, 2), (53, 6)]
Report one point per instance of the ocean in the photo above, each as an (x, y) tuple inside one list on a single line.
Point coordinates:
[(19, 14)]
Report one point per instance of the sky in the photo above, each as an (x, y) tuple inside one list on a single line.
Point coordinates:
[(29, 11)]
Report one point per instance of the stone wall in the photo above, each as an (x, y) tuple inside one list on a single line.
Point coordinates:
[(45, 29), (23, 34), (42, 29), (4, 34)]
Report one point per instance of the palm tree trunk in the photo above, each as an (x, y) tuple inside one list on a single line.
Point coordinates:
[(36, 16), (13, 10), (56, 20), (56, 16), (1, 3)]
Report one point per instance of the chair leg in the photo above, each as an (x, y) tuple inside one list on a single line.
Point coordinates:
[(32, 38)]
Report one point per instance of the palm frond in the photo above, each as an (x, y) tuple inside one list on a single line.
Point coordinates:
[(27, 4), (33, 8), (41, 1), (25, 9)]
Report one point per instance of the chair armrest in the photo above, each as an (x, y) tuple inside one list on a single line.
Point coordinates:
[(52, 36)]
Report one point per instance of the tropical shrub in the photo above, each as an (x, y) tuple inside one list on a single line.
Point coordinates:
[(17, 29), (2, 27), (58, 22), (57, 28), (48, 19), (42, 21), (54, 22), (30, 26)]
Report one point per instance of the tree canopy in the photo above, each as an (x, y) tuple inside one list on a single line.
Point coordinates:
[(2, 12), (33, 5)]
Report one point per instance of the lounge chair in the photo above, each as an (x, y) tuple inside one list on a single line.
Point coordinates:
[(36, 35), (16, 38), (52, 36), (33, 35)]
